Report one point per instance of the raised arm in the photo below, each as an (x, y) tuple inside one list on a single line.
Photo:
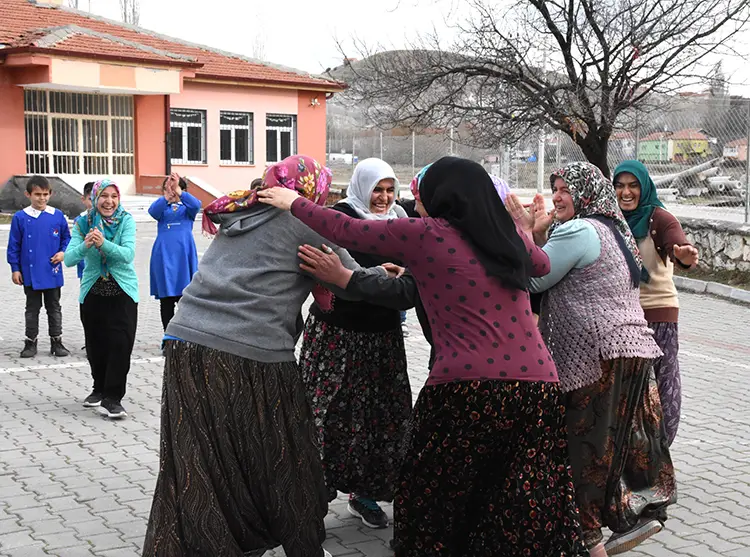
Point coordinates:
[(192, 204), (157, 208), (395, 238)]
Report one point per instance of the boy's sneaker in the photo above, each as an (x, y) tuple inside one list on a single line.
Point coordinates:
[(367, 510), (57, 349), (93, 400), (112, 409), (620, 543), (29, 349)]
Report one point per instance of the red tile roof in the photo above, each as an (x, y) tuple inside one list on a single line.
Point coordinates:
[(23, 23)]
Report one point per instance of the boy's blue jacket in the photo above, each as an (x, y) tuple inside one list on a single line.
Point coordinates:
[(35, 236)]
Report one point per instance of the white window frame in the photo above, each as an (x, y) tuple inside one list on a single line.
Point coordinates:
[(48, 116), (185, 126), (233, 131), (278, 129)]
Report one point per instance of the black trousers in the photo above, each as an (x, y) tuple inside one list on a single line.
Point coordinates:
[(167, 306), (51, 300), (109, 323)]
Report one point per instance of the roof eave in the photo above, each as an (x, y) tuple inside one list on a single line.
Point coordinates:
[(90, 56), (328, 87)]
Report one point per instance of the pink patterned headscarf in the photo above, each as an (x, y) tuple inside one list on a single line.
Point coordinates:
[(299, 172)]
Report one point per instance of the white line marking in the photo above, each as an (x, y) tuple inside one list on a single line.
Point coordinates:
[(714, 360), (69, 365)]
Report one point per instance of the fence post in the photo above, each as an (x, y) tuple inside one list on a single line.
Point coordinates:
[(381, 145), (451, 153), (540, 164), (747, 166), (413, 152)]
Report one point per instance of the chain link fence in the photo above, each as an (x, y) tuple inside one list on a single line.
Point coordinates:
[(695, 147)]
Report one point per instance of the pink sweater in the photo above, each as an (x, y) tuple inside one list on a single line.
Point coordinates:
[(481, 329)]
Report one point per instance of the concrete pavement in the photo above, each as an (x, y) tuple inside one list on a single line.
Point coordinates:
[(73, 484)]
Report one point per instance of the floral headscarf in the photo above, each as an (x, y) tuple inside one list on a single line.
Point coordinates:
[(593, 195), (298, 172), (414, 186), (107, 225)]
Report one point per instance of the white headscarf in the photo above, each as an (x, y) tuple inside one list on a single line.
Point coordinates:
[(367, 175)]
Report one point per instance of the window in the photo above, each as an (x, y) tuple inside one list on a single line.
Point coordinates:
[(236, 137), (281, 136), (187, 137), (78, 133)]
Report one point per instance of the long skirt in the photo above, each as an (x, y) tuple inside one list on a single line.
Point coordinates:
[(487, 474), (667, 370), (618, 448), (239, 469), (358, 386)]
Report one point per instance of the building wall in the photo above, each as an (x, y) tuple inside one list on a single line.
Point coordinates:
[(311, 125), (12, 131), (150, 140), (213, 98)]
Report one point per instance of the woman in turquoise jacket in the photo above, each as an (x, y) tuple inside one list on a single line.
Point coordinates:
[(105, 240)]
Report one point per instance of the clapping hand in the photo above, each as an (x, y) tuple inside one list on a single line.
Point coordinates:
[(94, 238), (687, 255)]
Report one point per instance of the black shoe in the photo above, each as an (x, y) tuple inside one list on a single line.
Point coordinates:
[(112, 409), (57, 349), (367, 510), (93, 400), (29, 349), (621, 543)]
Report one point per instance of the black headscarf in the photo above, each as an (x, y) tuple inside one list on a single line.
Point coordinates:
[(461, 192)]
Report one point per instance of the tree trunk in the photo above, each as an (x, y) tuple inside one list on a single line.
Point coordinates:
[(595, 150)]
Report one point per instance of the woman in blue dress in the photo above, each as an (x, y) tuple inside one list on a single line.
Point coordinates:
[(174, 257)]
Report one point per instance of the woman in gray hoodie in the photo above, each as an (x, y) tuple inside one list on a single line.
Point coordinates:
[(240, 470)]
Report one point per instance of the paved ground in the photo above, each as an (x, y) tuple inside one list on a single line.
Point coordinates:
[(74, 484)]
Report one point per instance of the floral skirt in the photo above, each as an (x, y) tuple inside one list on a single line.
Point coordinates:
[(486, 474), (358, 387), (618, 447), (667, 370), (239, 467)]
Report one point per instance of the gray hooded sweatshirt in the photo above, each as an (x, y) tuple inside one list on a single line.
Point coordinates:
[(246, 298)]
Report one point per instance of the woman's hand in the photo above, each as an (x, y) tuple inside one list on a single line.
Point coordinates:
[(324, 265), (393, 270), (97, 238), (88, 241), (543, 219), (278, 197), (687, 255), (523, 218)]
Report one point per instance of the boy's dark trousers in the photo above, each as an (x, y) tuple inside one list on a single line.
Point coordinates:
[(51, 300)]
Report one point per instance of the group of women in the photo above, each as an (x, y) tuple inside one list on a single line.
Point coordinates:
[(527, 439)]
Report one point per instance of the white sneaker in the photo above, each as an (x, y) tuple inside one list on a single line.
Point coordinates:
[(326, 554)]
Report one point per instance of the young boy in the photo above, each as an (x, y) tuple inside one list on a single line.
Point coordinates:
[(38, 237)]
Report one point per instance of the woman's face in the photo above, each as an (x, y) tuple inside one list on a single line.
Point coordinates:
[(382, 196), (563, 201), (108, 202), (628, 191)]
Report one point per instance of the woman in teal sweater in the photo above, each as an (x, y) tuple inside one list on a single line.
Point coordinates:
[(105, 240)]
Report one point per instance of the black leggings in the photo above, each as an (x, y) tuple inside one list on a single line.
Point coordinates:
[(167, 309)]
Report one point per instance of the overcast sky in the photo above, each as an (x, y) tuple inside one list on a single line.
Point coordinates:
[(300, 34)]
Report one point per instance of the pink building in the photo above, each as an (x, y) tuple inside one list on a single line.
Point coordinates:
[(83, 97)]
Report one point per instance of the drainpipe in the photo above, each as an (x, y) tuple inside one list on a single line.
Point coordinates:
[(168, 136)]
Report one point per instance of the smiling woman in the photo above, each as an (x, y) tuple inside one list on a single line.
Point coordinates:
[(105, 239)]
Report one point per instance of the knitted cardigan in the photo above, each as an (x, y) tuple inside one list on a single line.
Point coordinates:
[(594, 314)]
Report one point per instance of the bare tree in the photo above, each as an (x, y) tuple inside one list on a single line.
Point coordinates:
[(130, 11), (567, 65)]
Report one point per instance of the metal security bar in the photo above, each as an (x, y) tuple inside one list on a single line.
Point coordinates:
[(281, 136), (187, 136), (79, 133)]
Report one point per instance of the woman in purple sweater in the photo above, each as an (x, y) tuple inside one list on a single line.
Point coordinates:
[(486, 469)]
